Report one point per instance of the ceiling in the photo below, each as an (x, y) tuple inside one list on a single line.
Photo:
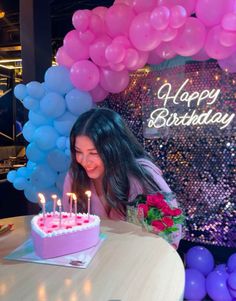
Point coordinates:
[(61, 12)]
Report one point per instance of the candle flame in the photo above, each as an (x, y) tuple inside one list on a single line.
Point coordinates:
[(74, 197), (41, 198), (88, 193), (69, 193), (54, 196), (59, 202)]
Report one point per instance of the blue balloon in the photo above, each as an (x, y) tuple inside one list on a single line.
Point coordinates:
[(231, 263), (31, 193), (28, 131), (31, 103), (43, 177), (23, 172), (78, 101), (216, 285), (201, 259), (37, 118), (52, 105), (20, 183), (58, 161), (57, 79), (20, 91), (11, 176), (195, 287), (35, 89), (45, 137), (64, 123), (61, 142), (34, 154), (60, 180), (232, 281)]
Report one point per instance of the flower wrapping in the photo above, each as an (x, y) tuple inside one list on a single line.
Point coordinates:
[(156, 215)]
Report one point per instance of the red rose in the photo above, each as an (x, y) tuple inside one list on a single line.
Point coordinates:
[(142, 210), (166, 210), (156, 200), (167, 221), (158, 225), (176, 212)]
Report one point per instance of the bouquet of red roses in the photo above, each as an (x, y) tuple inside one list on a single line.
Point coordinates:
[(157, 216)]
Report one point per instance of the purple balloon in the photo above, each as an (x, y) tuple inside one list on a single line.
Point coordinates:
[(195, 287), (221, 268), (216, 285), (201, 259), (231, 263), (232, 281)]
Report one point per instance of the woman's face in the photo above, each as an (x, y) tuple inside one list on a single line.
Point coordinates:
[(88, 157)]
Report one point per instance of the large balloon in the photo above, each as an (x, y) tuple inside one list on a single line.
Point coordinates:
[(113, 81), (195, 288), (231, 263), (72, 43), (201, 259), (78, 101), (52, 105), (210, 12), (45, 137), (216, 285)]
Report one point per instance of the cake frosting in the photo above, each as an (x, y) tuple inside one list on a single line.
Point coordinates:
[(53, 237)]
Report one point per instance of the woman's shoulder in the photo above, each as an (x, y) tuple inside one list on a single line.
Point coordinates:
[(149, 165)]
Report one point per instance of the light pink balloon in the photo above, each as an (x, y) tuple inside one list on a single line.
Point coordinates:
[(142, 60), (201, 55), (117, 67), (113, 81), (81, 19), (118, 19), (141, 6), (87, 36), (62, 58), (131, 58), (165, 50), (228, 63), (178, 16), (160, 17), (75, 48), (84, 75), (189, 5), (227, 38), (229, 22), (127, 2), (97, 50), (98, 93), (210, 12), (115, 53), (168, 34), (190, 38), (142, 34), (123, 40), (97, 25), (213, 46), (100, 11)]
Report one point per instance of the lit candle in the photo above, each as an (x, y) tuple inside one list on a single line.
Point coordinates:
[(54, 197), (88, 193), (59, 205), (75, 205), (43, 202), (70, 195)]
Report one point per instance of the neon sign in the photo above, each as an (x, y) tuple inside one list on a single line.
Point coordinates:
[(162, 117)]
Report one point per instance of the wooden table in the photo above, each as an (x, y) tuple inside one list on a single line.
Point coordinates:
[(131, 265)]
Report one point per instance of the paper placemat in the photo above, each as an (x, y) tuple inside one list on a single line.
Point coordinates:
[(81, 260)]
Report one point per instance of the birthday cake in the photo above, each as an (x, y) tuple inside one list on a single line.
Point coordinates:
[(57, 235)]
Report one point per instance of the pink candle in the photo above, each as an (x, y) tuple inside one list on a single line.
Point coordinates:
[(70, 195), (75, 205), (54, 197), (43, 202), (88, 193), (59, 205)]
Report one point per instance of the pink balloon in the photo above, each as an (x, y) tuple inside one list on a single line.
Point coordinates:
[(131, 58), (75, 48), (87, 36), (97, 25), (97, 50), (81, 19), (213, 46), (229, 22), (178, 16), (168, 34), (117, 67), (228, 63), (84, 75), (123, 40), (160, 17), (113, 81), (154, 58), (165, 51), (127, 2), (227, 38), (142, 60), (189, 5), (210, 12), (143, 36), (191, 37), (118, 19), (141, 6), (98, 93), (115, 53), (100, 11), (62, 58)]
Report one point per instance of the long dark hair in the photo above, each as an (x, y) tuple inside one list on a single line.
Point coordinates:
[(118, 149)]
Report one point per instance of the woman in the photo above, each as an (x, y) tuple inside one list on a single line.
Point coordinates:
[(108, 160)]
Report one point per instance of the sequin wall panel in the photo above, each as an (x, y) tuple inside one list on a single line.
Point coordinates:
[(197, 156)]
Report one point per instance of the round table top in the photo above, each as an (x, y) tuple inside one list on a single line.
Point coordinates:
[(131, 265)]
